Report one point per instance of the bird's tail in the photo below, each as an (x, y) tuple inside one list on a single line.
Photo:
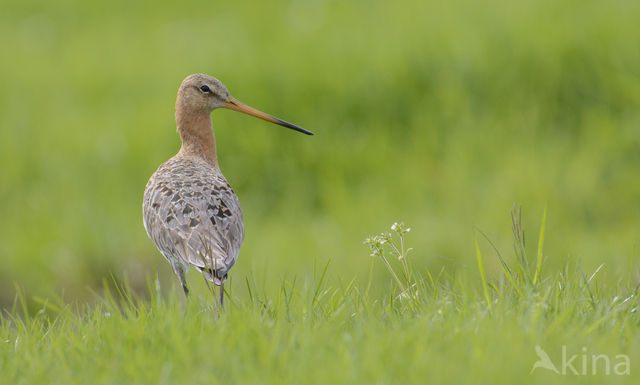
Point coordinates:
[(213, 276)]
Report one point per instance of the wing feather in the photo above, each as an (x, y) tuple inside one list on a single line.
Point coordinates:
[(193, 216)]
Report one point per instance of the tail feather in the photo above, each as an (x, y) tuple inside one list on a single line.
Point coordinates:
[(212, 275)]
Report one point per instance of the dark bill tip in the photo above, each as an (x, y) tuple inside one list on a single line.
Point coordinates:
[(292, 126)]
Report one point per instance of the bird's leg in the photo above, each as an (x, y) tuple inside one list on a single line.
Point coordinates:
[(184, 299), (180, 271), (221, 295)]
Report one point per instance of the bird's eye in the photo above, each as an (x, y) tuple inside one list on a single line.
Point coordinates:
[(205, 88)]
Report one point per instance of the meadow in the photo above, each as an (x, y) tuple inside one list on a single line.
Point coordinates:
[(441, 115)]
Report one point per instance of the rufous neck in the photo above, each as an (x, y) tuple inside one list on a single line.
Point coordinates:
[(196, 132)]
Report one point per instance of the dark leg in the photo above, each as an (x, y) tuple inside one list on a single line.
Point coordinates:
[(179, 270), (221, 295), (183, 282)]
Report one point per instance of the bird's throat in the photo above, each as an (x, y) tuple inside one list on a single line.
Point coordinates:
[(196, 132)]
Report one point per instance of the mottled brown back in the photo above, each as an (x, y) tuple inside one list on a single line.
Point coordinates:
[(194, 217)]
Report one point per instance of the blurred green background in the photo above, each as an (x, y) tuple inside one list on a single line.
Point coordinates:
[(439, 114)]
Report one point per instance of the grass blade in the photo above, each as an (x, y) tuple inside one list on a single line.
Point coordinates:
[(485, 288), (540, 246), (319, 285)]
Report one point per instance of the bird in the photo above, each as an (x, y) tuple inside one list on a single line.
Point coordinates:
[(189, 210)]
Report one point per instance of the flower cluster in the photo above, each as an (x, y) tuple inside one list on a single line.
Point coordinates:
[(377, 242), (400, 228)]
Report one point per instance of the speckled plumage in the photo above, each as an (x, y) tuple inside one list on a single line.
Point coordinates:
[(189, 210), (194, 218)]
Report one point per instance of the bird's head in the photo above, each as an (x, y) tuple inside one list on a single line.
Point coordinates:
[(200, 92)]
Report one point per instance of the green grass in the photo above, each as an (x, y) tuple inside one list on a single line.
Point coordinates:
[(427, 327)]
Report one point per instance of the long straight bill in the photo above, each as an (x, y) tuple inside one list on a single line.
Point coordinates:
[(233, 104)]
